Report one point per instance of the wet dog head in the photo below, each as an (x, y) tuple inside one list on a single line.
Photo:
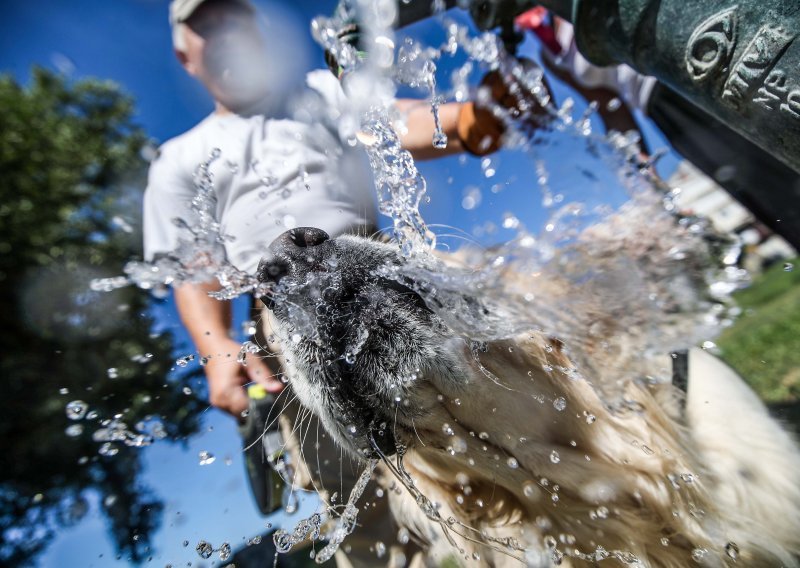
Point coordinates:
[(358, 346)]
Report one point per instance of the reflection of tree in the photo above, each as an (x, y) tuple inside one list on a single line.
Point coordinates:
[(70, 163)]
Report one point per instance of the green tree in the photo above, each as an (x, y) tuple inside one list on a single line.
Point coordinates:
[(71, 174)]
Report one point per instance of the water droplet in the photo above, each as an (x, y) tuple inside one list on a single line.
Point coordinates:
[(698, 554), (380, 549), (112, 372), (74, 430), (184, 361), (76, 409), (483, 436), (530, 490), (512, 463), (614, 104), (206, 458), (439, 140), (664, 541), (204, 549), (510, 222), (224, 551), (560, 403), (554, 457), (448, 430), (403, 536), (63, 391), (732, 550), (108, 449), (187, 391), (472, 198)]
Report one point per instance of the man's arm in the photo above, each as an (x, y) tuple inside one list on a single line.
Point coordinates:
[(418, 137), (469, 127), (208, 321)]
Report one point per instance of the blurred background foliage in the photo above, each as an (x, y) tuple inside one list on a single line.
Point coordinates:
[(72, 171)]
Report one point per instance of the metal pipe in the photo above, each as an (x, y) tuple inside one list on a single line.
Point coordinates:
[(737, 61)]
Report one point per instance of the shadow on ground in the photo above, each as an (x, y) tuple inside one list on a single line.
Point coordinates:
[(789, 415)]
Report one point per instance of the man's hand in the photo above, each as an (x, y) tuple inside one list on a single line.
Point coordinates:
[(227, 378), (208, 321), (480, 131)]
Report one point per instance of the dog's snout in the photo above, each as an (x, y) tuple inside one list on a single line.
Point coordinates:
[(295, 252)]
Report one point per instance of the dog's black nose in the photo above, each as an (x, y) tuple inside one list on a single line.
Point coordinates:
[(295, 253), (301, 237)]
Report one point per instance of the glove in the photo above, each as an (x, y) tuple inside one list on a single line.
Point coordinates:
[(480, 131)]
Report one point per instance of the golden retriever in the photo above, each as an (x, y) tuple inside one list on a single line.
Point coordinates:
[(497, 453)]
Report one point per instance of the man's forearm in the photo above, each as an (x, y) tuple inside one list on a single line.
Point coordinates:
[(206, 319), (418, 138)]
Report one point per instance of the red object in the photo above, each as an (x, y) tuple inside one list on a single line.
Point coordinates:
[(537, 20)]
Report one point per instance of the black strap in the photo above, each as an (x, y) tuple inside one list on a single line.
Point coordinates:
[(680, 369)]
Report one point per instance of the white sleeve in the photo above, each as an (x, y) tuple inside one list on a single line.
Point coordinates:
[(168, 196), (323, 82)]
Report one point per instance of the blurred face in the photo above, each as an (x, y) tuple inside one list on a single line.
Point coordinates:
[(225, 50)]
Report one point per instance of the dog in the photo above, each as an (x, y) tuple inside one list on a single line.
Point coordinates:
[(497, 453)]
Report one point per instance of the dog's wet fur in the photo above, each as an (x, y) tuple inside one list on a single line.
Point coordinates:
[(706, 478)]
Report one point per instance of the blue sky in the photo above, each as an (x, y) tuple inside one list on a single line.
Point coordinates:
[(128, 41)]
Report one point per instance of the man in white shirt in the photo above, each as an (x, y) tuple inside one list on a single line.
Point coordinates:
[(273, 173)]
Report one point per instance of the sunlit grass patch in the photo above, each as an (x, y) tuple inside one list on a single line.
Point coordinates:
[(764, 344)]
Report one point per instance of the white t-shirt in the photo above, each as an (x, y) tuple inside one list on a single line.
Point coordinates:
[(630, 85), (273, 174)]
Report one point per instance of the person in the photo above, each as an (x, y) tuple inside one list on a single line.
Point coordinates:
[(274, 172), (760, 182)]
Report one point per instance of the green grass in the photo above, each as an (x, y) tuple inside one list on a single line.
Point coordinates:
[(764, 344)]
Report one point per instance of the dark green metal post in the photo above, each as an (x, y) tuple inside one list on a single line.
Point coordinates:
[(739, 61)]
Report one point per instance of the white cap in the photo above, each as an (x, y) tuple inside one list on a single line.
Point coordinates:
[(181, 10)]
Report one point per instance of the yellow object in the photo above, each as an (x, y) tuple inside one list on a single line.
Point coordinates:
[(256, 391)]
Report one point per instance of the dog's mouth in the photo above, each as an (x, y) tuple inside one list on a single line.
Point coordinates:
[(350, 335)]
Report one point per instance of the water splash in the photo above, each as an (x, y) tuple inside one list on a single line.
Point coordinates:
[(312, 526), (200, 254), (399, 184)]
